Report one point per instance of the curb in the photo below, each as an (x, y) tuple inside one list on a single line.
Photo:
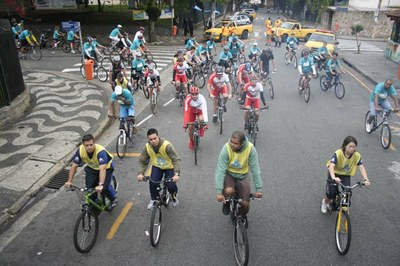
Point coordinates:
[(347, 62)]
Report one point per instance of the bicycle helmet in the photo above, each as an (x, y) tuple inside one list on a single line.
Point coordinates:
[(253, 78), (234, 39), (119, 26), (138, 54), (194, 90), (226, 48), (219, 70), (255, 44), (247, 66), (89, 39), (150, 67), (140, 36), (118, 90)]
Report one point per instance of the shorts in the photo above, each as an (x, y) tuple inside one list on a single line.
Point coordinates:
[(125, 111), (332, 187), (216, 92), (192, 115), (181, 78), (255, 102), (241, 186), (223, 63), (136, 76)]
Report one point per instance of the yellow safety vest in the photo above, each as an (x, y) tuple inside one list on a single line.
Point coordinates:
[(239, 161), (124, 83), (160, 159), (346, 166), (94, 161)]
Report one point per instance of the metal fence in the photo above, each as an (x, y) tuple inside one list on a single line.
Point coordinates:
[(11, 80)]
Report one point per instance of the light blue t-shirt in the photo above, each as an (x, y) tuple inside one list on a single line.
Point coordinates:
[(115, 32), (291, 41), (136, 44), (56, 34), (127, 95), (383, 93), (88, 47), (200, 50), (189, 43), (234, 48), (225, 56), (332, 64), (71, 35), (138, 65), (306, 64), (210, 45), (254, 50), (24, 34), (323, 50)]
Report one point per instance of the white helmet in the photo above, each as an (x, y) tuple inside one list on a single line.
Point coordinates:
[(255, 43), (138, 54), (118, 90), (119, 26)]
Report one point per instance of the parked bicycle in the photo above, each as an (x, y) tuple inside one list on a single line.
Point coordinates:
[(156, 215), (266, 81), (326, 84), (252, 126), (291, 57), (305, 87), (86, 227), (386, 134), (341, 203), (126, 131)]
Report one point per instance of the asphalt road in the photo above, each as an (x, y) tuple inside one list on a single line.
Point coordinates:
[(286, 226)]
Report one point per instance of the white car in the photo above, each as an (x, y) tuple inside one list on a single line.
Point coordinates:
[(241, 19)]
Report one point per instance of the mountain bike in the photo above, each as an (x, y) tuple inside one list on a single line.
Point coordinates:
[(86, 227), (180, 94), (66, 47), (153, 99), (126, 130), (386, 134), (210, 66), (196, 137), (156, 215), (341, 203), (291, 56), (140, 85), (252, 126), (220, 112), (98, 71), (305, 87), (325, 84), (199, 78), (266, 80), (33, 51)]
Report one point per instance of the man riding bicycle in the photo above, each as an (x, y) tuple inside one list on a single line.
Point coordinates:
[(218, 83), (225, 59), (25, 39), (126, 106), (210, 46), (160, 154), (137, 45), (235, 48), (138, 68), (253, 91), (122, 81), (71, 36), (242, 78), (195, 107), (306, 65), (333, 67), (116, 35), (89, 49), (99, 168), (153, 79), (181, 76), (236, 158), (378, 100), (292, 43), (115, 68), (254, 52)]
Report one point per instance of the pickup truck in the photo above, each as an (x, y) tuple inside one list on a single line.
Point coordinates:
[(242, 31), (289, 27)]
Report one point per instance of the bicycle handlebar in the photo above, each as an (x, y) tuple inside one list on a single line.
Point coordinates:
[(148, 179), (360, 184), (261, 109)]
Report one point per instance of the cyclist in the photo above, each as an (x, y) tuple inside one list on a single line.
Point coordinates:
[(201, 52), (235, 48), (341, 167), (115, 68), (252, 92), (211, 45), (17, 28), (191, 42), (218, 83), (265, 58), (378, 100), (292, 44), (306, 65), (181, 71), (236, 158), (192, 58), (232, 36), (140, 31), (115, 35), (254, 52), (122, 81), (126, 106), (97, 44), (243, 77), (25, 39), (124, 44), (138, 67), (225, 58), (179, 54), (164, 160), (71, 36), (152, 78), (89, 49), (56, 36), (333, 67), (137, 45), (322, 54), (99, 168), (195, 107)]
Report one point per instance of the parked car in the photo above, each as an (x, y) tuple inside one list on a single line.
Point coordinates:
[(318, 37), (250, 11), (241, 19), (244, 14), (289, 27), (242, 31)]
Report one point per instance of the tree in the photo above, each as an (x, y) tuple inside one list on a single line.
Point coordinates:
[(355, 29), (153, 10), (317, 7)]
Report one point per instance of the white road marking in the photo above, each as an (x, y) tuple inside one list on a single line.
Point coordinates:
[(71, 70), (147, 118), (170, 101)]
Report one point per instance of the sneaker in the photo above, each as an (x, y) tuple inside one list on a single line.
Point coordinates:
[(226, 208), (225, 109), (113, 204), (191, 144), (151, 204), (246, 126), (215, 119), (201, 132), (134, 130), (72, 51), (176, 95), (175, 200), (324, 207), (368, 127)]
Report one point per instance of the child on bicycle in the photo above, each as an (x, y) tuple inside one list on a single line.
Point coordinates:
[(333, 67), (341, 167)]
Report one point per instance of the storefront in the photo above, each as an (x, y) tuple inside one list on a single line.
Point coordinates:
[(392, 49)]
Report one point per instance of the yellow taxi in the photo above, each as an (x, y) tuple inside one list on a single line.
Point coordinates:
[(250, 11), (317, 39)]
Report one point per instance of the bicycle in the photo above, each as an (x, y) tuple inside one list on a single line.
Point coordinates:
[(386, 134), (199, 78), (86, 226), (240, 224), (210, 66), (305, 87), (319, 62), (153, 98), (180, 94), (291, 56), (252, 126), (99, 71), (66, 47), (266, 80), (141, 85), (126, 130), (341, 203), (33, 51), (156, 215), (325, 84), (220, 112), (196, 137)]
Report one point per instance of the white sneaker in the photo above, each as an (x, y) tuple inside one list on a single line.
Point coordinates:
[(323, 206), (150, 205), (368, 127), (175, 200), (72, 51)]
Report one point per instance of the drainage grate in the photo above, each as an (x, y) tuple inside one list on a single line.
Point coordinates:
[(58, 180)]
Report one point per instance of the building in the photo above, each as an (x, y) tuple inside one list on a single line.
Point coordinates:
[(392, 50)]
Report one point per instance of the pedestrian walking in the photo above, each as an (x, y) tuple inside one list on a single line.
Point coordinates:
[(190, 25)]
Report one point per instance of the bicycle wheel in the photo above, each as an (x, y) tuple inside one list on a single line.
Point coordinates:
[(196, 145), (85, 231), (271, 89), (287, 58), (49, 45), (213, 66), (83, 71), (78, 47), (323, 83), (366, 124), (35, 53), (102, 74), (240, 243), (148, 55), (339, 90), (220, 119), (294, 61), (151, 62), (343, 232), (129, 124), (121, 145), (153, 102), (386, 136), (254, 135), (155, 225), (307, 93), (106, 62), (199, 80), (145, 91), (66, 47)]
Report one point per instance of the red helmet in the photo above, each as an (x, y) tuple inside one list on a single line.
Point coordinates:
[(194, 90)]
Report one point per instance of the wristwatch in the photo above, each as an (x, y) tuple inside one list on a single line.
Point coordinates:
[(177, 173)]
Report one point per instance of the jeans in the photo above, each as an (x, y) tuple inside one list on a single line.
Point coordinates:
[(92, 180), (156, 175), (385, 105)]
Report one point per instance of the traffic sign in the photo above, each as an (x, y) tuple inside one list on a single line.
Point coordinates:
[(70, 25)]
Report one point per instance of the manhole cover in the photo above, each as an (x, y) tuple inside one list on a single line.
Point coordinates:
[(58, 180)]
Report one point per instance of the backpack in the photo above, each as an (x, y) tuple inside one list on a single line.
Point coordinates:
[(186, 40)]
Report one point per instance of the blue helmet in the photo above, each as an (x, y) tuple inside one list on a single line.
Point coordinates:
[(247, 67)]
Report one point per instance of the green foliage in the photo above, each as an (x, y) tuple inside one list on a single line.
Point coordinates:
[(317, 5), (356, 29), (153, 12)]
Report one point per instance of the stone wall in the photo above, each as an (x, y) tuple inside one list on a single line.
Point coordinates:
[(380, 29)]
